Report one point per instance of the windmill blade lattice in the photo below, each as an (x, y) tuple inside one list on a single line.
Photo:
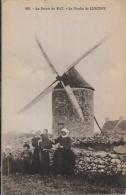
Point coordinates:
[(73, 100), (46, 57), (38, 97), (86, 54)]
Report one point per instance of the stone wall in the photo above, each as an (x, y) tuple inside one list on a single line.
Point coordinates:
[(100, 163), (64, 113)]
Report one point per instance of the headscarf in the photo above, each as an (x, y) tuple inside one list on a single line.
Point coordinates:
[(26, 145), (38, 133), (8, 149), (66, 131)]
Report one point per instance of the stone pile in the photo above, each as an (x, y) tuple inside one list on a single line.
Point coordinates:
[(99, 163), (98, 140)]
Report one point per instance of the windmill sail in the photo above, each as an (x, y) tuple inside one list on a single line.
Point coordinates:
[(73, 100), (46, 57), (60, 78), (86, 54), (67, 88), (38, 97)]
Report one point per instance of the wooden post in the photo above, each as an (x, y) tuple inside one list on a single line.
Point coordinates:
[(97, 123)]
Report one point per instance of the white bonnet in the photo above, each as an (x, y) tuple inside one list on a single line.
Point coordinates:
[(66, 131)]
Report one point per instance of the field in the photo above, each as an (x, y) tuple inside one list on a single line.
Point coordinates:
[(35, 184)]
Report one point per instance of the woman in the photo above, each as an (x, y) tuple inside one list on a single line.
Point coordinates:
[(44, 146), (35, 157), (64, 158)]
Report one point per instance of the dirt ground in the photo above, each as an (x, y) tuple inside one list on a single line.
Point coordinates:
[(36, 185)]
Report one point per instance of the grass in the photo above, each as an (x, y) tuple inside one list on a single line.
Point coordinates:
[(36, 185)]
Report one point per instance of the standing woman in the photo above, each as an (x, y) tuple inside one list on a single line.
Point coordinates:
[(64, 158), (44, 146), (35, 160)]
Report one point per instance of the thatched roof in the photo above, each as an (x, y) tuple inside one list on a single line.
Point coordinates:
[(114, 126), (122, 125), (109, 125), (75, 80)]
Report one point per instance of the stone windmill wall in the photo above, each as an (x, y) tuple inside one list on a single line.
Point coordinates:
[(64, 113)]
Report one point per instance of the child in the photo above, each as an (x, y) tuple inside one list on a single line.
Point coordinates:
[(8, 163), (26, 157)]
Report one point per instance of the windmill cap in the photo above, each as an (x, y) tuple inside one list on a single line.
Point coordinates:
[(74, 79)]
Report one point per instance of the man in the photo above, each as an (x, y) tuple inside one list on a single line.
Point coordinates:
[(44, 146), (64, 158)]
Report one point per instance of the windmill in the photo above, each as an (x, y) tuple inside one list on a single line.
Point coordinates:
[(65, 85)]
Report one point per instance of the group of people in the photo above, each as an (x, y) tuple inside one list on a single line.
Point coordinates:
[(39, 161)]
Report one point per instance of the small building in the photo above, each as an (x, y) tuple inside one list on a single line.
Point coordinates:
[(117, 127), (64, 113)]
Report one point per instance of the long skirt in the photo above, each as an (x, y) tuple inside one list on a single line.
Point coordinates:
[(19, 165), (35, 161), (8, 166), (44, 162), (27, 166), (63, 162)]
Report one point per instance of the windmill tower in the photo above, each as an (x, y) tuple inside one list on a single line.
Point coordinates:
[(72, 98), (64, 113)]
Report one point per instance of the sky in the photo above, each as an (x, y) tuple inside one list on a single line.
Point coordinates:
[(65, 35)]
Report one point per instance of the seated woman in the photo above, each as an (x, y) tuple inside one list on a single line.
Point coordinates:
[(26, 157), (64, 158), (44, 146)]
